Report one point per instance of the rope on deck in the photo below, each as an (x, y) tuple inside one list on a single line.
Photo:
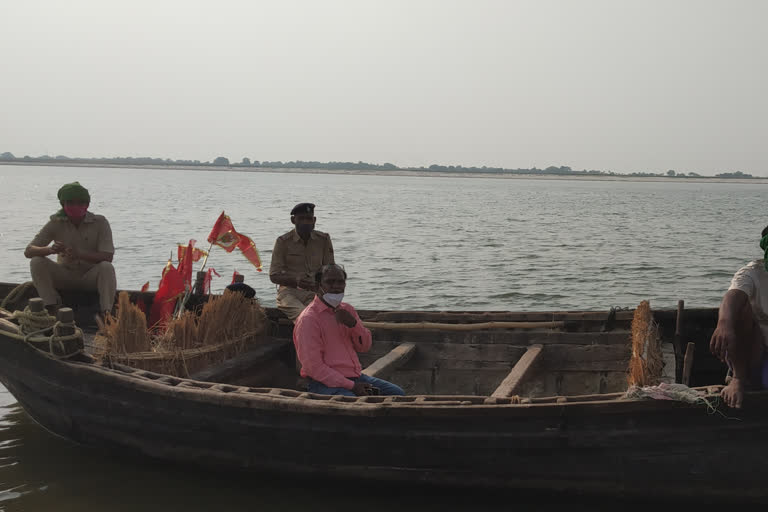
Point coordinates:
[(31, 321), (16, 294)]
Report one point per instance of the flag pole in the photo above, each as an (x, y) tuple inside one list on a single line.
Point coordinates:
[(205, 259)]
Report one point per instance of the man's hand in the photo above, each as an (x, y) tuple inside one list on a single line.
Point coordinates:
[(361, 389), (722, 339), (345, 317), (71, 253), (305, 283), (58, 247)]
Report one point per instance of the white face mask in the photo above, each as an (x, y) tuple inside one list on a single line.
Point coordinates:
[(333, 299)]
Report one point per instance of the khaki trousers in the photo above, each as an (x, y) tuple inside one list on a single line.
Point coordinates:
[(48, 277), (292, 301)]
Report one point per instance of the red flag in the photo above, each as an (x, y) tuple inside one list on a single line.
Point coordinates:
[(207, 280), (170, 288), (140, 302), (197, 254), (223, 234), (185, 264), (248, 248)]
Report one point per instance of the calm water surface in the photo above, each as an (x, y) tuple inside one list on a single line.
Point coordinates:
[(407, 243)]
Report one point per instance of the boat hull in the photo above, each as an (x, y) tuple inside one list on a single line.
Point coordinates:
[(603, 447)]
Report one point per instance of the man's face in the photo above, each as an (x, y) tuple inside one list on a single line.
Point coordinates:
[(75, 209), (333, 281), (303, 218), (304, 223)]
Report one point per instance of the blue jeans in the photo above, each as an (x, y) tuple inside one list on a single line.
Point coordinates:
[(385, 387)]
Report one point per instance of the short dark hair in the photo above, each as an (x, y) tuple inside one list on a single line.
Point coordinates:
[(765, 231), (326, 268)]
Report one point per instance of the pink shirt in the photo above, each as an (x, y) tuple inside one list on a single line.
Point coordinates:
[(327, 349)]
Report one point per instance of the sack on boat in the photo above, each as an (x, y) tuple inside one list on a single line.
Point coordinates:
[(225, 326)]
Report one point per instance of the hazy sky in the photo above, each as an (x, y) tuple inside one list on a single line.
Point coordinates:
[(612, 85)]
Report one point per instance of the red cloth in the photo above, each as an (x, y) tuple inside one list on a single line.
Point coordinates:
[(327, 349), (207, 280)]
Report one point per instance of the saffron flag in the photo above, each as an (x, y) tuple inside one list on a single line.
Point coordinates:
[(197, 254), (185, 264), (225, 236), (170, 288), (248, 249)]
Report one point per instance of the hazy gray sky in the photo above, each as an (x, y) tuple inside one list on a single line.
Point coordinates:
[(613, 85)]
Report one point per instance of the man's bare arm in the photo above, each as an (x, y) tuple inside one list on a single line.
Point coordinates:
[(725, 333)]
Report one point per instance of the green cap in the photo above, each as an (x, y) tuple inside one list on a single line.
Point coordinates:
[(74, 192)]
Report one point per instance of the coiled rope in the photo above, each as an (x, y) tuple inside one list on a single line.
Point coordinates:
[(31, 321), (40, 327), (16, 294)]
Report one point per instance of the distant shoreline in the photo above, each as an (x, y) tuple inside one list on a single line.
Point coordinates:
[(401, 172)]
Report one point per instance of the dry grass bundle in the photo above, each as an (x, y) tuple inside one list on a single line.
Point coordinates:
[(180, 334), (229, 317), (125, 333), (646, 362), (189, 343)]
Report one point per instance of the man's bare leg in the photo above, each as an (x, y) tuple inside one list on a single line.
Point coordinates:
[(745, 356)]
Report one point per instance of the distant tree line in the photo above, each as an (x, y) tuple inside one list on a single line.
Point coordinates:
[(222, 161)]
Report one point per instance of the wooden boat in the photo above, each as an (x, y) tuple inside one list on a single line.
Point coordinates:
[(536, 405)]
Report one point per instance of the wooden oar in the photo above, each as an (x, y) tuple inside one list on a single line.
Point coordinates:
[(411, 326)]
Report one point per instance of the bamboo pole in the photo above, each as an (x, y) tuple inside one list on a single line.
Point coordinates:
[(414, 326)]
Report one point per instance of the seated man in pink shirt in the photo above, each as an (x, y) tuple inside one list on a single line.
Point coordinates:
[(327, 335)]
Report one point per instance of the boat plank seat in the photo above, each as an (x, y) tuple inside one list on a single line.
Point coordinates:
[(391, 360), (519, 373)]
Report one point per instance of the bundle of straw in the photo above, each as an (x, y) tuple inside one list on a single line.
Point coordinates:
[(125, 333), (189, 343), (646, 362), (229, 317)]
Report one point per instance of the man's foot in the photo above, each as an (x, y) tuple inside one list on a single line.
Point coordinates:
[(733, 393)]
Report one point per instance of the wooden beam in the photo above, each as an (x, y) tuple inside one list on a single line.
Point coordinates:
[(391, 360), (520, 371)]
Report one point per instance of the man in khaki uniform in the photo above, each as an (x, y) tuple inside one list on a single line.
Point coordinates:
[(298, 255), (82, 242)]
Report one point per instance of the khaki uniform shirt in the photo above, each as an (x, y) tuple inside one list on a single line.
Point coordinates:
[(292, 257), (93, 234)]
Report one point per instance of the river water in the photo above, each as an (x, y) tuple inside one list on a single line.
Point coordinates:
[(407, 242)]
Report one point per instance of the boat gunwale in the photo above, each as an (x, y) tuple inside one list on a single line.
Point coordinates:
[(304, 402)]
